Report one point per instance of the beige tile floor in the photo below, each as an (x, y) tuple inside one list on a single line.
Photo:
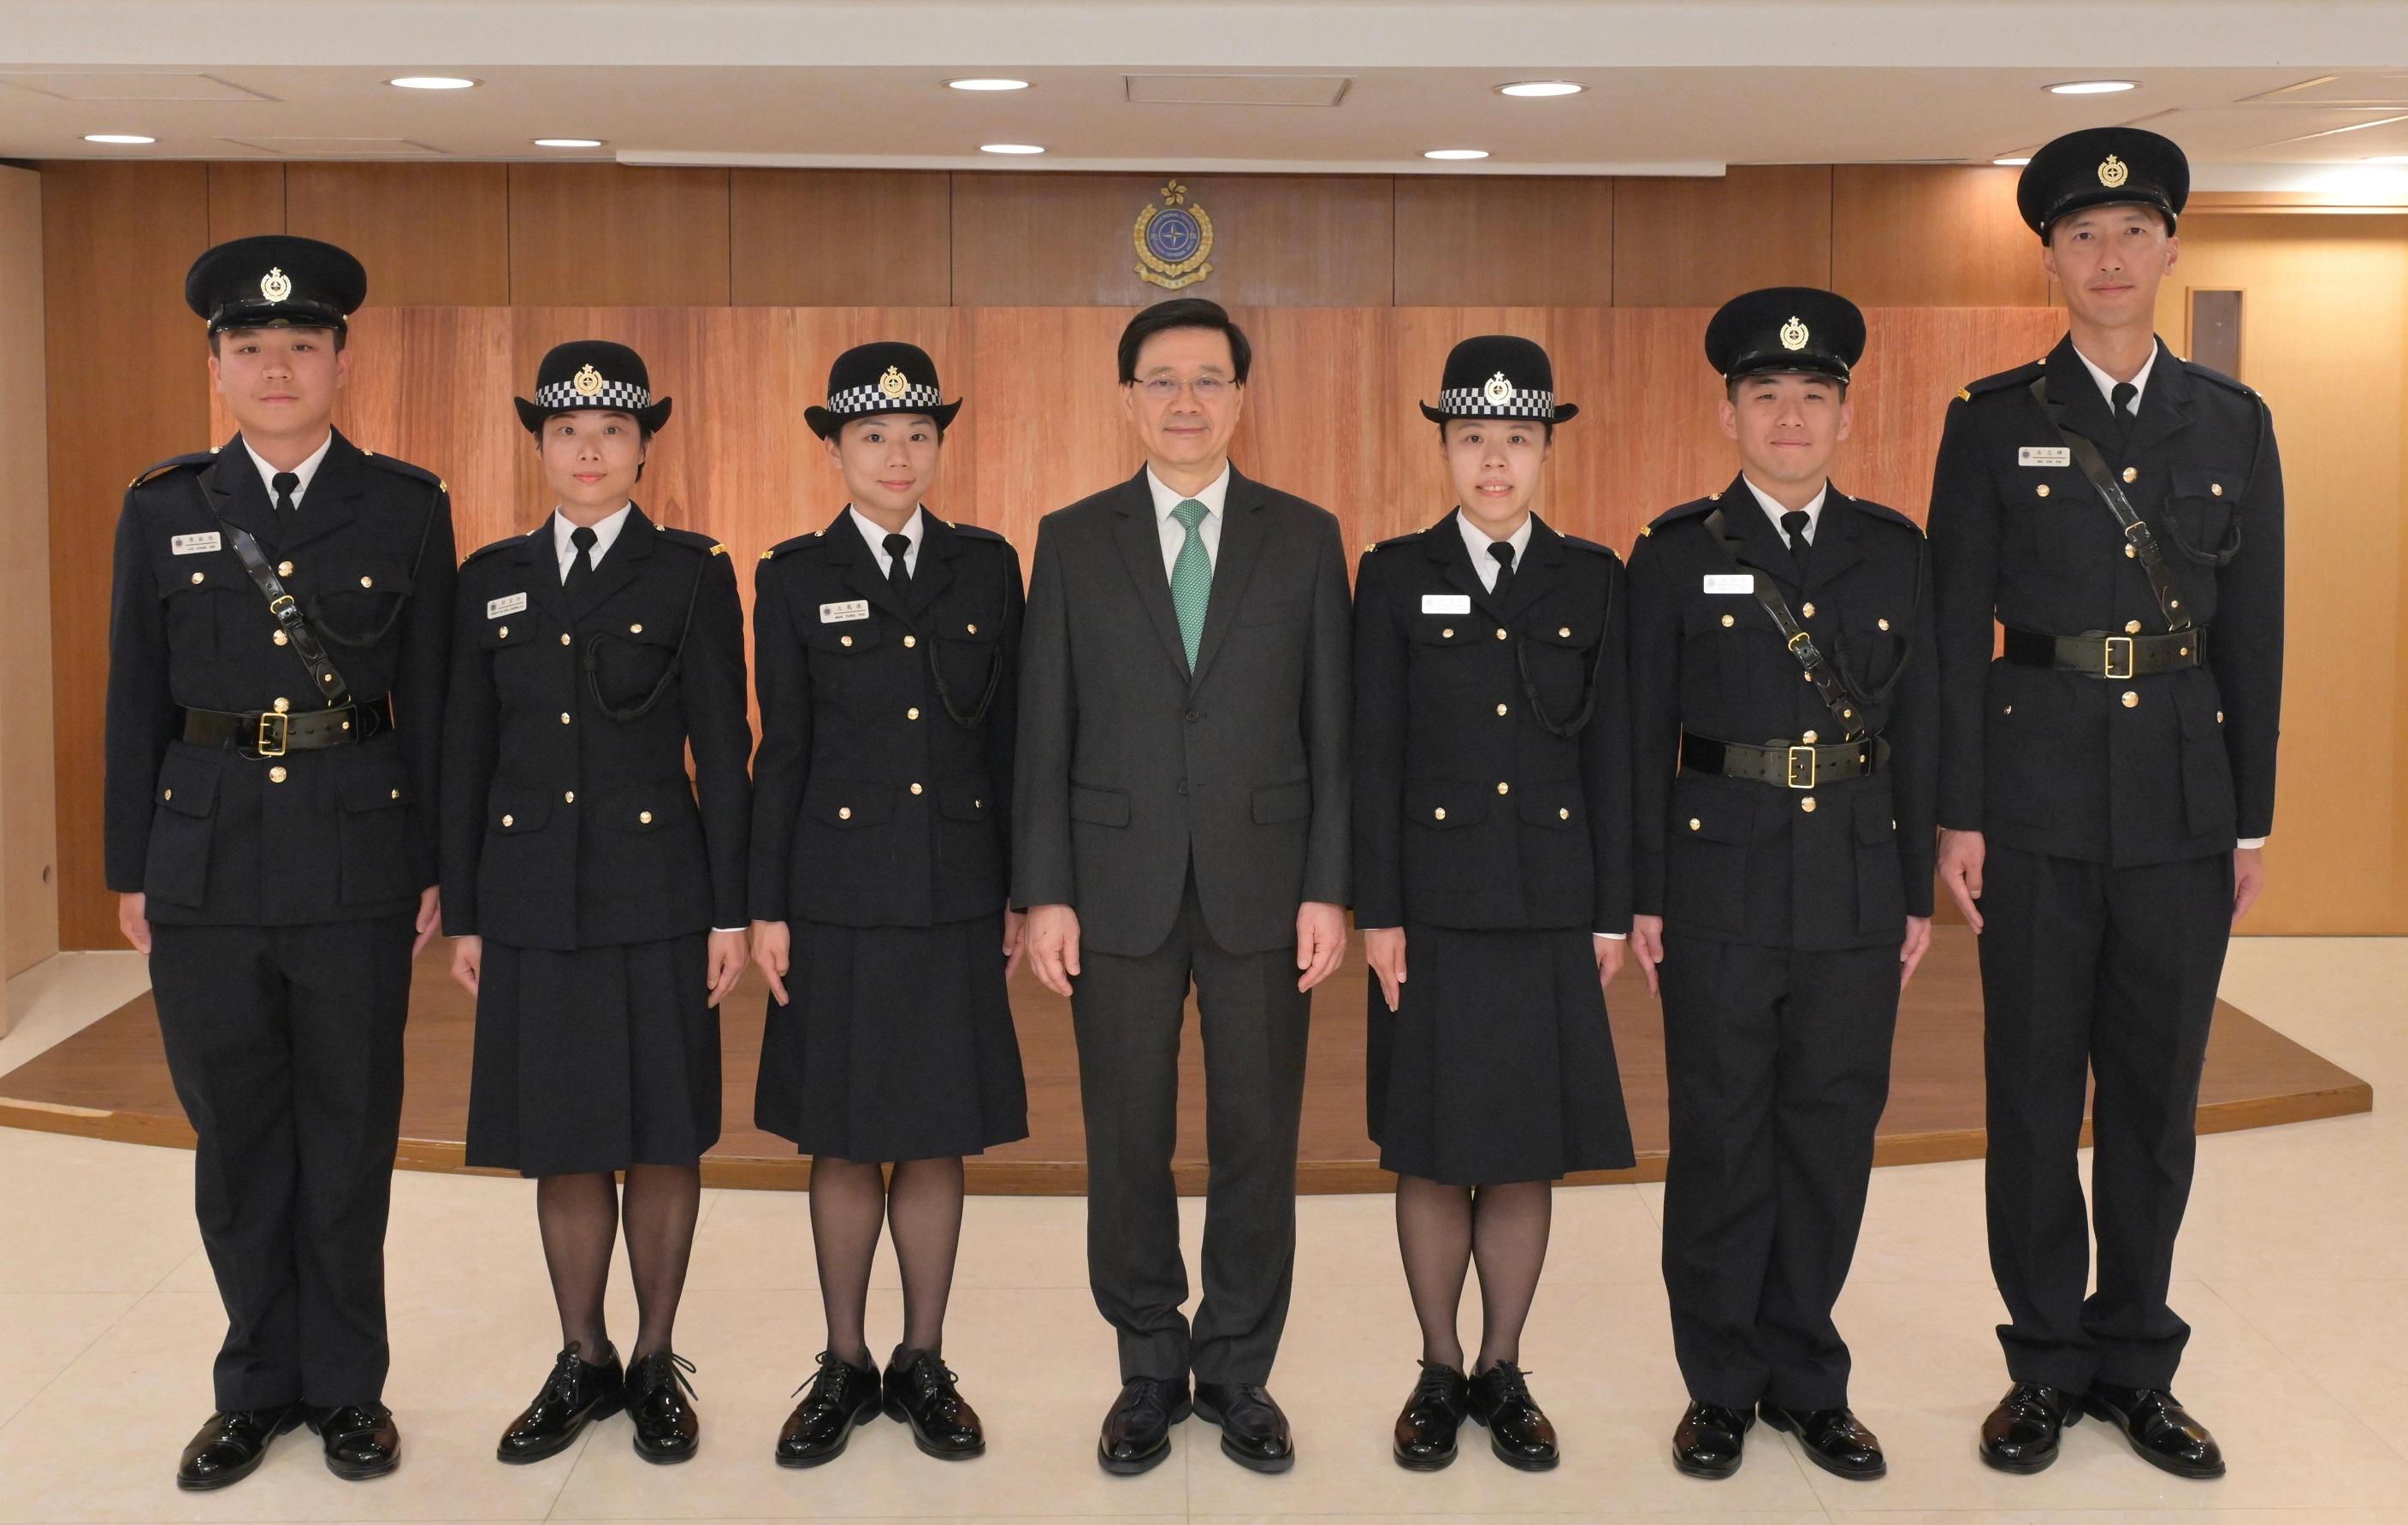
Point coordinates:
[(2293, 1272)]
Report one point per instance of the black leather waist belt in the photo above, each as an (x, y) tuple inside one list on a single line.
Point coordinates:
[(2117, 656), (1788, 767), (270, 734)]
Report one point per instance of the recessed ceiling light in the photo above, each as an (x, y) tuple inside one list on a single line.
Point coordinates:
[(118, 138), (1541, 86), (2090, 87), (986, 84), (431, 81), (567, 142), (1011, 147), (2013, 161), (1454, 153)]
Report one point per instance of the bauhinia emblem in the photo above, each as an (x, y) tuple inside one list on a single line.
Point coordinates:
[(2113, 171), (587, 382), (275, 285), (893, 383), (1498, 389), (1174, 240), (1794, 334)]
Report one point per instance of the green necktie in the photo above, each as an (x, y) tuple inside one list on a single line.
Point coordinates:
[(1190, 578)]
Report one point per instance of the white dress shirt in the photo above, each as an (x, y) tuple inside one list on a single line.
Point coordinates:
[(306, 470), (605, 532), (912, 531), (1773, 510), (1207, 529), (1477, 541)]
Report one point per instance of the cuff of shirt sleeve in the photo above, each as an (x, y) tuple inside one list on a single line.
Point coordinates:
[(2251, 842), (1617, 936), (728, 929)]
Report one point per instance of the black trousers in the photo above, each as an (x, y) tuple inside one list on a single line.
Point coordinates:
[(2091, 971), (1128, 1013), (1779, 1067), (285, 1046)]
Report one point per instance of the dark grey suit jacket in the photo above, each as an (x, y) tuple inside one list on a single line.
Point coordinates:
[(1128, 765)]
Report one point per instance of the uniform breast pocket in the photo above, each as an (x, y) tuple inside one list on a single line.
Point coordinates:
[(854, 661), (969, 659), (358, 597), (628, 662), (2205, 519), (183, 823), (2050, 514), (201, 603), (1437, 633), (1558, 655)]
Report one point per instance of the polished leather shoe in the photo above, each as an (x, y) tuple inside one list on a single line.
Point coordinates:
[(1710, 1440), (842, 1396), (1253, 1432), (660, 1401), (1833, 1439), (361, 1440), (1137, 1433), (577, 1392), (1425, 1429), (230, 1446), (1518, 1429), (920, 1393), (2155, 1421), (2021, 1434)]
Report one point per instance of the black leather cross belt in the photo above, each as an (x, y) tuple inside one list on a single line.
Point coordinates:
[(272, 734), (2117, 656), (1788, 767)]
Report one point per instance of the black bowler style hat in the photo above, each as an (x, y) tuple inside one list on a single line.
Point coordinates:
[(870, 380), (2103, 166), (1787, 329), (274, 281), (592, 374), (1499, 376)]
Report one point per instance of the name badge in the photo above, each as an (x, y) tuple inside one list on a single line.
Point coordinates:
[(194, 544), (496, 608), (2043, 455), (1446, 603), (1729, 582), (837, 614)]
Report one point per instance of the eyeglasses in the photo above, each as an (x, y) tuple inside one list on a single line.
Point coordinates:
[(1162, 389)]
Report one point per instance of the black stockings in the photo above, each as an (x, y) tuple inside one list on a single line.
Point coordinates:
[(922, 1208), (1443, 1231), (581, 1215)]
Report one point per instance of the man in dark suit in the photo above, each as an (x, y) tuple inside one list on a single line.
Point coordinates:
[(2106, 784), (1182, 812), (278, 653)]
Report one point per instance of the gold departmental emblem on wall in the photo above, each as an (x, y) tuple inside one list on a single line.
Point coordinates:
[(2113, 171), (1174, 240), (275, 285), (587, 382)]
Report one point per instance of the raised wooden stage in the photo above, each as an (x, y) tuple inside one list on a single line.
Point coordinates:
[(111, 1081)]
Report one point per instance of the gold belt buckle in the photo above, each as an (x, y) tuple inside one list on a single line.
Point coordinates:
[(274, 730), (1807, 752), (2112, 642)]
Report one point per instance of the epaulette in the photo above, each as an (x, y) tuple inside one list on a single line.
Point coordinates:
[(1884, 511), (198, 458), (2208, 373), (692, 539), (1578, 544), (797, 543), (2020, 376), (402, 468), (487, 550), (972, 532), (1405, 539), (1696, 508)]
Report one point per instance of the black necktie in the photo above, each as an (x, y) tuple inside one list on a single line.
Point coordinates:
[(1793, 524), (898, 570), (580, 563), (1503, 551), (2119, 400), (287, 511)]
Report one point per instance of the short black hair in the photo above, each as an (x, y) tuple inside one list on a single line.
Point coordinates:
[(1184, 312), (342, 335), (1541, 422)]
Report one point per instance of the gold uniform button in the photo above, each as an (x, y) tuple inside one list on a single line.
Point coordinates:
[(564, 716), (1880, 624), (284, 569), (564, 637), (972, 629), (509, 822), (2131, 700), (282, 706), (1438, 814), (1695, 823), (199, 577), (170, 795), (644, 817), (1563, 814), (2009, 710), (275, 776), (1565, 632), (2215, 487), (845, 640), (368, 582), (635, 628), (2041, 489), (279, 637), (569, 797), (2131, 627), (1504, 789), (1808, 738), (2129, 552), (503, 633), (1447, 634), (907, 641), (1500, 709), (1807, 805), (2220, 717), (1501, 632), (845, 812), (2132, 474), (1729, 620), (1807, 611), (915, 788), (911, 713), (394, 794)]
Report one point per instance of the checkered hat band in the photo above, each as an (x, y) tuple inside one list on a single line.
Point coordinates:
[(870, 399), (1473, 402), (623, 395)]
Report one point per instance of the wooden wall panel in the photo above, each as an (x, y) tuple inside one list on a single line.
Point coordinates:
[(839, 238), (29, 899), (1916, 358), (1318, 408), (245, 199), (1918, 236), (1510, 241), (1051, 426), (609, 237), (1683, 243), (430, 235), (1278, 240)]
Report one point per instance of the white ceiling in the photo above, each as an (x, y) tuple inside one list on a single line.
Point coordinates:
[(2263, 95)]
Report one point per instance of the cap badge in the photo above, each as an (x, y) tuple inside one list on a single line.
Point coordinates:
[(892, 384), (1794, 334), (587, 382), (1498, 391), (275, 285), (2113, 171)]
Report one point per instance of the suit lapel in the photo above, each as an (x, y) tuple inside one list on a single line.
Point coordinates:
[(538, 563), (2081, 407), (1540, 569), (2165, 404), (934, 574), (862, 572), (238, 495), (1750, 537), (1839, 540), (1140, 543), (620, 566), (1241, 543), (1444, 545), (332, 499)]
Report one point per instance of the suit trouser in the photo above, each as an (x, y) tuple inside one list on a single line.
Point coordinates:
[(1779, 1067), (1128, 1013), (2088, 970), (285, 1046)]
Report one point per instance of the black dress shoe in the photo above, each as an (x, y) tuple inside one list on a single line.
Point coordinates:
[(2021, 1434), (1518, 1429), (230, 1446), (2155, 1421), (1425, 1429), (1710, 1440), (577, 1392), (1137, 1433), (920, 1393), (1833, 1439), (660, 1401), (1253, 1432), (361, 1440), (842, 1396)]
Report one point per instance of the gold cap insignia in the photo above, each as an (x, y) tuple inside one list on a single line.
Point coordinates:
[(1794, 334), (2113, 171), (893, 383), (587, 382), (1499, 391), (275, 285)]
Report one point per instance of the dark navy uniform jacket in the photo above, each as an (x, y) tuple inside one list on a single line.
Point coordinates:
[(2066, 765), (216, 837), (568, 818)]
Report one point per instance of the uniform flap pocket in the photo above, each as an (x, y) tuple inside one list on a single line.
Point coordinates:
[(1715, 823), (1577, 626), (191, 574), (2217, 482), (507, 630), (968, 797), (1099, 806), (1450, 629), (844, 637), (655, 630), (1874, 822), (835, 803), (188, 782), (372, 780), (1558, 806), (1283, 802), (2198, 708), (647, 809), (984, 632), (356, 574), (1439, 806), (511, 808)]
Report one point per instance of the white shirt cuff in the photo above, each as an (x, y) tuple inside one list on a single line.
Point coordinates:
[(728, 928), (2252, 842), (1616, 936)]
